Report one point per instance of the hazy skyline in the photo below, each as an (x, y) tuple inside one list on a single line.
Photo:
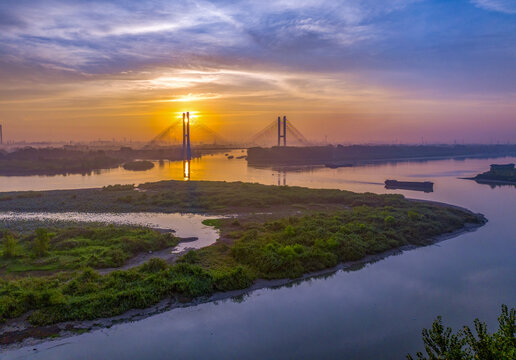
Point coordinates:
[(356, 71)]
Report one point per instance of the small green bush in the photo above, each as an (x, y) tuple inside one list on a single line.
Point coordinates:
[(41, 242), (9, 245)]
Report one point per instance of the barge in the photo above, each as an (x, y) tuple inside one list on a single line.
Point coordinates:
[(426, 186)]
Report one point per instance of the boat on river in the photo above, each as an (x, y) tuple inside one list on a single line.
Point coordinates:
[(426, 186), (338, 165)]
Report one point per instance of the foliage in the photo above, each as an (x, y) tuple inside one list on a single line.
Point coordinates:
[(41, 242), (91, 246), (194, 196), (348, 227), (87, 295), (191, 257), (292, 246), (118, 187), (443, 344), (139, 165), (9, 245), (212, 222)]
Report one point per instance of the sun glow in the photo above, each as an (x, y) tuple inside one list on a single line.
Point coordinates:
[(194, 116)]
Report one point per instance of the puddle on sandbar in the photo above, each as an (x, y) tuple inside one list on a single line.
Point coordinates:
[(184, 225)]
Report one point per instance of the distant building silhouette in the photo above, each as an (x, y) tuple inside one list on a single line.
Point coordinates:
[(1, 136), (503, 170)]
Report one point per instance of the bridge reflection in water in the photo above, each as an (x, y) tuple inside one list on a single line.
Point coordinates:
[(282, 174), (186, 170), (279, 173)]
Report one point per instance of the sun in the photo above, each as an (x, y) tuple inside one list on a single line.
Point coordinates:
[(193, 115)]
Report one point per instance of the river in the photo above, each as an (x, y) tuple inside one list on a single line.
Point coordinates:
[(375, 312)]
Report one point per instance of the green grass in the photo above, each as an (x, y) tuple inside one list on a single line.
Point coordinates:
[(118, 187), (333, 226), (86, 295), (216, 223), (79, 247), (280, 248), (292, 246), (192, 196)]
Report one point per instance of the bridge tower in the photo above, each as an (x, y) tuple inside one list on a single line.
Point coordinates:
[(284, 135), (187, 153)]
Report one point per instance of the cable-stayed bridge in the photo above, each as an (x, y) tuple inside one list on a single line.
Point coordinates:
[(278, 132)]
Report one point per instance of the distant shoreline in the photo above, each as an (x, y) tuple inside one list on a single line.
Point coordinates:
[(357, 155), (489, 181)]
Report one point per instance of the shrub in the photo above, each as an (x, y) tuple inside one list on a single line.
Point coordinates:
[(237, 278), (289, 231), (389, 221), (41, 242), (118, 187), (9, 245), (154, 265), (117, 256), (442, 343), (413, 216), (191, 257)]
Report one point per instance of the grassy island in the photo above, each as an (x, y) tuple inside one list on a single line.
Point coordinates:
[(139, 165), (269, 233)]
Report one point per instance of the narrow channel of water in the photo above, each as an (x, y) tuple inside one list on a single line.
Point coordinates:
[(376, 312)]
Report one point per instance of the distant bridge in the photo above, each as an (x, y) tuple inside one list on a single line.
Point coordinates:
[(275, 133), (279, 130)]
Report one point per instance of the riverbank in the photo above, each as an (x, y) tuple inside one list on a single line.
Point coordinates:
[(51, 161), (280, 233), (370, 154), (18, 333)]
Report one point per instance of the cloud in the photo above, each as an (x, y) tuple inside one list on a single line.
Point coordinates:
[(355, 59), (504, 6), (93, 36)]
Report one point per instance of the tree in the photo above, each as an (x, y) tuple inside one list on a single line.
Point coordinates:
[(41, 242), (499, 346), (442, 344), (9, 245)]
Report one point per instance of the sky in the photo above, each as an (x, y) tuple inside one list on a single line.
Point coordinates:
[(349, 71)]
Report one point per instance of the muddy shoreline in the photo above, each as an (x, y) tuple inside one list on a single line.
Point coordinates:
[(18, 333)]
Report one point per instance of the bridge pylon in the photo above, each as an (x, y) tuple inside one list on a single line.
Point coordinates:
[(284, 134), (187, 153)]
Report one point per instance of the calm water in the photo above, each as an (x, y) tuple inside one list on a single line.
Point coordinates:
[(376, 312)]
